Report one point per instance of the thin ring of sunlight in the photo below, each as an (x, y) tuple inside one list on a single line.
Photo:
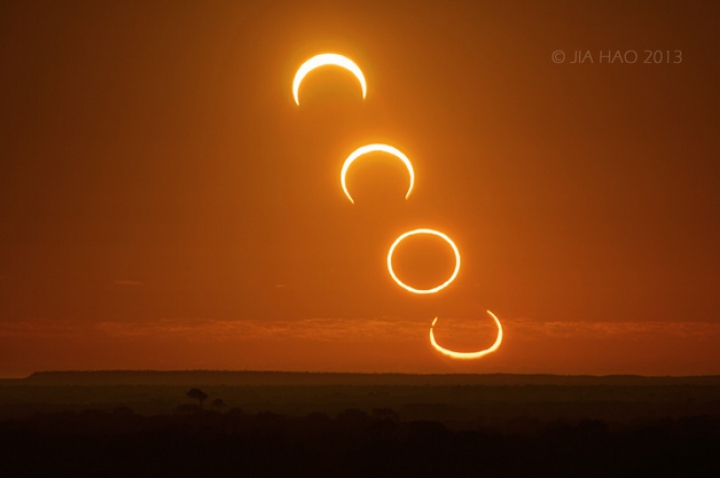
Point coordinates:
[(468, 355), (326, 59), (372, 148), (433, 233)]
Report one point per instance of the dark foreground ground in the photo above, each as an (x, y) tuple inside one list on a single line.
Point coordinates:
[(364, 426)]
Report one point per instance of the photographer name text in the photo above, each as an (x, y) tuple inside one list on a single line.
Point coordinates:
[(648, 57)]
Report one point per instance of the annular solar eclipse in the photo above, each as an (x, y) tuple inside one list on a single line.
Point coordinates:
[(468, 355), (333, 59), (327, 59), (430, 232), (373, 148)]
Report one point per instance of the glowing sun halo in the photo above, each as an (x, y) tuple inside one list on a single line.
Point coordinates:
[(431, 232), (468, 355), (327, 59), (372, 148)]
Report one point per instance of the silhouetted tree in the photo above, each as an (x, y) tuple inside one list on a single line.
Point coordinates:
[(198, 395), (218, 403)]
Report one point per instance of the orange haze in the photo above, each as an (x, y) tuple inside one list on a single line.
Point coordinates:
[(165, 204)]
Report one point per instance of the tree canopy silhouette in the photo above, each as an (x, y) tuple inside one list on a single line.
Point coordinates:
[(218, 403), (198, 395)]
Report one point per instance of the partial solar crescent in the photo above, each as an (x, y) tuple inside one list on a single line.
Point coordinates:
[(373, 148), (468, 355), (431, 232), (327, 59)]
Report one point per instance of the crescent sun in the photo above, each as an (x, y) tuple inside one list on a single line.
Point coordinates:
[(431, 232), (327, 59), (468, 355), (373, 148)]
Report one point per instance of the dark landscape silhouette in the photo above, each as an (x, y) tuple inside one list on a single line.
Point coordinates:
[(295, 424)]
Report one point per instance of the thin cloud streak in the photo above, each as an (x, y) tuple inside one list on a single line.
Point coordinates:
[(616, 330), (339, 330), (315, 329), (361, 345)]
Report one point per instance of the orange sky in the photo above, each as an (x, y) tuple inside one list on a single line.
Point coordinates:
[(164, 204)]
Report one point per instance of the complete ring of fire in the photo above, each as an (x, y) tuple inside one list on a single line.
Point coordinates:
[(431, 232)]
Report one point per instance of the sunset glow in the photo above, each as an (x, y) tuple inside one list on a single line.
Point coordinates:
[(167, 203), (372, 148), (433, 233), (468, 355), (327, 59)]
